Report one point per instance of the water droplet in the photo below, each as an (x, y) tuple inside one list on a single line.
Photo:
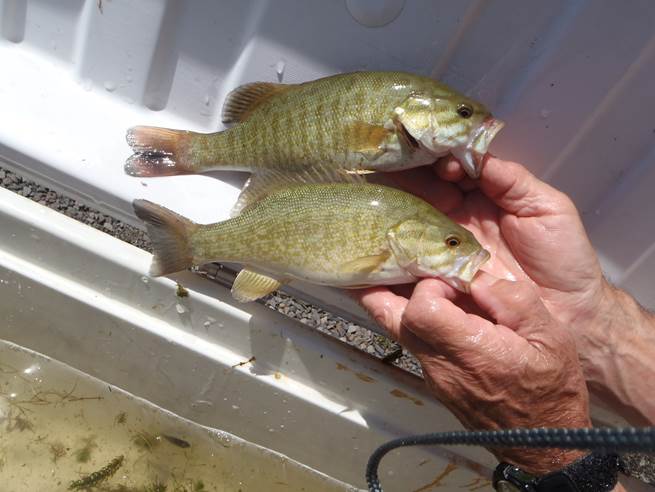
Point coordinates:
[(180, 308), (235, 407), (202, 403), (110, 85), (279, 69), (207, 100), (145, 279), (32, 369), (545, 113)]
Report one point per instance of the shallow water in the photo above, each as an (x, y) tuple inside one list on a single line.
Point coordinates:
[(63, 430)]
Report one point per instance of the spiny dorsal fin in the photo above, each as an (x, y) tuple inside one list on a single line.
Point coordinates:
[(263, 183), (250, 286), (243, 100)]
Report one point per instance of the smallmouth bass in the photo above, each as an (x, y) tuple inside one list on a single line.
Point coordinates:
[(361, 121), (347, 235)]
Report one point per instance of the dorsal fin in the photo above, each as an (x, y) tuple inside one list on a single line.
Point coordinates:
[(243, 100), (263, 183)]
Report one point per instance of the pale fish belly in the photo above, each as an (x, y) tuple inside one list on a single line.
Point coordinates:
[(390, 273)]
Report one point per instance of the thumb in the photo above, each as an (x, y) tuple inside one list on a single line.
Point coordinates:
[(516, 190), (516, 305)]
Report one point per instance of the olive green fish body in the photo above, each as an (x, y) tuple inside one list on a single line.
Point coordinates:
[(361, 121), (313, 232), (344, 120), (337, 234)]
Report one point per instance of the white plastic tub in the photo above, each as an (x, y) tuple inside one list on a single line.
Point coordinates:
[(77, 73)]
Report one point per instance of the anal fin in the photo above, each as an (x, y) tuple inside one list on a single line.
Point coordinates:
[(250, 286)]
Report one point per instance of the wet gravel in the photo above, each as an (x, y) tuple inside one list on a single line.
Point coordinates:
[(347, 332)]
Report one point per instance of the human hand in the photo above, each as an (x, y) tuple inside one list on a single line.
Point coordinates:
[(533, 233), (520, 371)]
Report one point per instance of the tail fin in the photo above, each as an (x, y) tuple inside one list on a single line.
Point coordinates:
[(169, 234), (159, 151)]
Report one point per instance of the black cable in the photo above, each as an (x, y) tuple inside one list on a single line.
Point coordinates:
[(603, 439)]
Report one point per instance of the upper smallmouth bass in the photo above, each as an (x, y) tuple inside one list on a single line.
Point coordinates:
[(360, 121), (341, 234)]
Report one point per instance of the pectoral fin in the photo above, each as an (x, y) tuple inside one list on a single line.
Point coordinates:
[(365, 264), (250, 286), (366, 139)]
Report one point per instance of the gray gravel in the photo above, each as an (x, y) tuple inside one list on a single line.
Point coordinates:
[(347, 332)]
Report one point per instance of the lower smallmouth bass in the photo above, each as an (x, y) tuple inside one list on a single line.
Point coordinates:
[(344, 234), (362, 121)]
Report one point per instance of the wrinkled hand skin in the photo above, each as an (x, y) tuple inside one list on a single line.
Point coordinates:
[(505, 355), (520, 371), (534, 233)]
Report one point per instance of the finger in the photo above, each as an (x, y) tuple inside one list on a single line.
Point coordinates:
[(449, 169), (439, 323), (517, 306), (515, 189), (422, 183), (387, 308)]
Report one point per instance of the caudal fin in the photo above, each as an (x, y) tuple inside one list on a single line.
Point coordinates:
[(159, 151), (169, 234)]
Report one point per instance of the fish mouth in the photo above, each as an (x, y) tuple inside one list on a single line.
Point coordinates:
[(463, 276), (471, 156)]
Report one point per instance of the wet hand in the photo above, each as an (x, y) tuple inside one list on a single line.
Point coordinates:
[(533, 232), (520, 370)]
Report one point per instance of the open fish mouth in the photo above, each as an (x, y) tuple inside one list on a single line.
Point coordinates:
[(463, 273), (472, 155)]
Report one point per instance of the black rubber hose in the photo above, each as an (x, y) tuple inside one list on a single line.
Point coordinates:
[(603, 439)]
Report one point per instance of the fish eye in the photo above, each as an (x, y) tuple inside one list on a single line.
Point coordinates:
[(465, 111), (452, 241)]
